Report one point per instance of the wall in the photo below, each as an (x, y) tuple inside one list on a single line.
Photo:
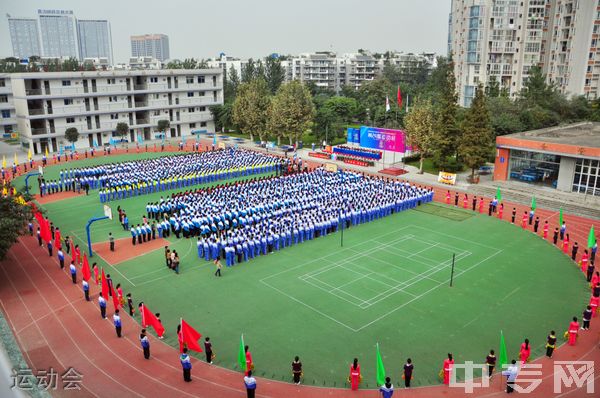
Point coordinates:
[(501, 168), (565, 174)]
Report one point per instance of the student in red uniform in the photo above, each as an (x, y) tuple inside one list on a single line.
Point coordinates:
[(465, 201), (594, 303), (546, 230), (448, 197), (595, 279), (573, 330), (525, 351), (566, 244), (501, 211), (354, 374), (524, 220), (584, 261), (447, 368), (249, 362), (481, 205)]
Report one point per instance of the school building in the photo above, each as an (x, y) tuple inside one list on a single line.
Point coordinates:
[(566, 158)]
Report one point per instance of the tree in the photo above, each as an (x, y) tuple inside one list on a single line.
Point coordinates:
[(15, 217), (70, 64), (189, 63), (372, 96), (492, 90), (274, 73), (72, 135), (122, 129), (421, 124), (174, 64), (248, 71), (334, 115), (163, 126), (448, 135), (292, 111), (259, 70), (504, 115), (202, 64), (476, 142), (222, 116), (250, 108), (231, 84)]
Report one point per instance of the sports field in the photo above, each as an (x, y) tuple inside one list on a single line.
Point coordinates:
[(328, 303)]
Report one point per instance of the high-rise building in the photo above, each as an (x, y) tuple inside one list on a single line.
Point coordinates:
[(57, 29), (504, 39), (155, 46), (571, 53), (94, 39), (24, 37)]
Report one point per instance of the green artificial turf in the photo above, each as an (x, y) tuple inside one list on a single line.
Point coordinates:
[(388, 284)]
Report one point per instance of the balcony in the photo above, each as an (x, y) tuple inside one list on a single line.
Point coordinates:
[(33, 91), (37, 111), (140, 87)]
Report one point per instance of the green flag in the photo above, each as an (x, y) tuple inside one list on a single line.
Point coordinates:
[(242, 355), (498, 195), (533, 206), (591, 237), (503, 358), (560, 217), (380, 369)]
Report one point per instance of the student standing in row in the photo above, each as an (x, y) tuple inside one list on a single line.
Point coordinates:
[(297, 369), (117, 322), (250, 383), (490, 361), (186, 365), (208, 350), (550, 344), (407, 372), (387, 390), (145, 344), (102, 304)]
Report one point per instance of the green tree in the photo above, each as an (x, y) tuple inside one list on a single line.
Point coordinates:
[(492, 90), (259, 70), (476, 142), (202, 64), (248, 71), (372, 96), (71, 65), (334, 115), (163, 126), (231, 84), (274, 73), (189, 63), (250, 108), (13, 222), (222, 116), (292, 111), (447, 137), (421, 124), (174, 64), (504, 114), (122, 129), (72, 135)]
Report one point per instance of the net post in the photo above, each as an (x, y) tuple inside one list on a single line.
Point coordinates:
[(452, 272)]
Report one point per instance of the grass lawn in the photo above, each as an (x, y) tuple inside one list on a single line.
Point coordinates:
[(328, 303)]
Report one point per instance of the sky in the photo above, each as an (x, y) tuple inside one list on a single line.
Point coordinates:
[(256, 28)]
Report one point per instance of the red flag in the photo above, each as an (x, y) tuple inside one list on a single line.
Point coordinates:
[(85, 270), (45, 231), (73, 253), (104, 286), (149, 319), (115, 298), (57, 244), (399, 98), (190, 336)]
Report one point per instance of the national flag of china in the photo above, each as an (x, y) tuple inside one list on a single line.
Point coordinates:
[(57, 243), (104, 285), (115, 298), (399, 98), (73, 254), (85, 269), (189, 337), (149, 319)]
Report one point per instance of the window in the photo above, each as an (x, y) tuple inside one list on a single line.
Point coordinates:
[(189, 79), (66, 83), (192, 125), (202, 109), (6, 113), (110, 81), (190, 110), (70, 120), (112, 99), (2, 83), (154, 80), (200, 79), (68, 101), (202, 124), (156, 96), (587, 177), (114, 116), (201, 93), (3, 99), (156, 113), (190, 94)]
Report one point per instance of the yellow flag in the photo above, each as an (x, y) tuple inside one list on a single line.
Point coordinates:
[(16, 160), (3, 161), (29, 154), (46, 151)]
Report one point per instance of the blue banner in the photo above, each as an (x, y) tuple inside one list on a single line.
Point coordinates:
[(353, 135)]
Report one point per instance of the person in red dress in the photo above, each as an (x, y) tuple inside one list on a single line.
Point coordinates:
[(501, 211), (481, 205), (584, 261), (573, 330), (524, 221), (594, 303), (249, 362), (566, 244), (448, 364), (354, 374), (448, 197), (546, 226), (465, 201), (525, 352)]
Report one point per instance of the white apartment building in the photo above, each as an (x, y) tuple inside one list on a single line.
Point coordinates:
[(24, 37), (57, 30), (226, 63), (499, 38), (155, 46), (47, 103), (505, 38), (571, 52), (8, 117)]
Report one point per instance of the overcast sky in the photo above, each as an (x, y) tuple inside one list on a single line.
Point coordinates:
[(255, 28)]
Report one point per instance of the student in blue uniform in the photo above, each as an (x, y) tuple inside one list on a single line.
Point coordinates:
[(117, 322), (186, 365)]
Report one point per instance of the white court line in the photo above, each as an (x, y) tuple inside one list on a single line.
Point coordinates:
[(114, 267), (440, 245), (455, 237), (390, 249), (425, 293), (340, 296)]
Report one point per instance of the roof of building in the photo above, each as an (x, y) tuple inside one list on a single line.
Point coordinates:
[(112, 73), (585, 134)]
